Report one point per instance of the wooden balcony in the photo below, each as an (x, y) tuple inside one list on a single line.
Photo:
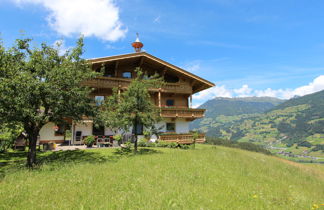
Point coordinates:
[(182, 138), (182, 112), (114, 82)]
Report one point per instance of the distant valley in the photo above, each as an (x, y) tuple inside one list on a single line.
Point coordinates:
[(293, 128)]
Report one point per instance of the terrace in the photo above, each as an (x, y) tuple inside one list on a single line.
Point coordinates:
[(182, 138)]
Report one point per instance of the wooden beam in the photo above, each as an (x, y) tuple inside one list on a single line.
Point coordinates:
[(116, 68), (159, 96), (141, 62)]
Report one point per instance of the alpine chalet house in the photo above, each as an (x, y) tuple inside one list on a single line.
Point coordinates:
[(174, 98)]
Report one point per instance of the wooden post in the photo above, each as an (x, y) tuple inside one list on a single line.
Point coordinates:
[(116, 68), (190, 106), (159, 96)]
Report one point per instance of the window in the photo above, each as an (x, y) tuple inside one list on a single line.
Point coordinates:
[(59, 130), (127, 74), (98, 130), (170, 102), (99, 100), (109, 72), (171, 79), (139, 129), (170, 127)]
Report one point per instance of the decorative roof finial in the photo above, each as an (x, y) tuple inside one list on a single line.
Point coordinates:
[(137, 44)]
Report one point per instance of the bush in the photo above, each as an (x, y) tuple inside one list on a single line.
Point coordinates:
[(8, 135), (305, 144), (318, 147), (163, 144), (89, 140), (172, 145), (184, 146)]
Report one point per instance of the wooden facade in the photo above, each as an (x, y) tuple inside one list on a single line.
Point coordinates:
[(174, 97)]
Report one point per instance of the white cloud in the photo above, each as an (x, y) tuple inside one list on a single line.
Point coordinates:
[(217, 91), (221, 91), (97, 18), (244, 91)]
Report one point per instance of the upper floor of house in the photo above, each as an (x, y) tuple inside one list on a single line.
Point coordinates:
[(174, 97), (118, 71)]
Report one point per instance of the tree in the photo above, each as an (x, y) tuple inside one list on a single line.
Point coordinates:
[(8, 134), (132, 108), (39, 85)]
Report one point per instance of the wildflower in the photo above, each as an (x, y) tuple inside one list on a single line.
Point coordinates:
[(315, 206), (255, 196)]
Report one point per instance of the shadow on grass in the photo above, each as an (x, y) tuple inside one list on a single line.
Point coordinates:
[(141, 151), (13, 161), (76, 156), (12, 155)]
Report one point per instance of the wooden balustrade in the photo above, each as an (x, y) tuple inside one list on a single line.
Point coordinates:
[(111, 82), (182, 112), (182, 138)]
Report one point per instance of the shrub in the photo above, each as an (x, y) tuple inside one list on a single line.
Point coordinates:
[(142, 144), (184, 146), (162, 144), (305, 144), (172, 145), (89, 140), (318, 147), (8, 135), (118, 137)]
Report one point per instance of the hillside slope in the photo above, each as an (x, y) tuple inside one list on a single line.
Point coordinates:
[(220, 106), (205, 178), (292, 122)]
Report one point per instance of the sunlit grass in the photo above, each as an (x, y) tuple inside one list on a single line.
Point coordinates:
[(205, 178)]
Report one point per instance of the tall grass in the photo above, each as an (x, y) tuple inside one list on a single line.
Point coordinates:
[(208, 177)]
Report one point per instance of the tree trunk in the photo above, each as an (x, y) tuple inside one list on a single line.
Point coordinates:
[(31, 155), (135, 144), (135, 134)]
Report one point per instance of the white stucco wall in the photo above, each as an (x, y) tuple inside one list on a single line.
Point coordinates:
[(47, 133), (85, 127), (182, 126)]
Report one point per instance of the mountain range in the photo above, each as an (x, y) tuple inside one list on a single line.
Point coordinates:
[(265, 120)]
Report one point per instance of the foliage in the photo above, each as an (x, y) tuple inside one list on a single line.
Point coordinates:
[(89, 140), (318, 147), (221, 106), (305, 144), (125, 149), (292, 122), (168, 179), (131, 108), (39, 85), (118, 137), (241, 145), (8, 134), (164, 144)]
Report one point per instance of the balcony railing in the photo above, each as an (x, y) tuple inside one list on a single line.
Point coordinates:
[(182, 112), (182, 138), (111, 82)]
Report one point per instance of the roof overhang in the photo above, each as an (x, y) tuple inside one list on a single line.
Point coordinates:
[(205, 84)]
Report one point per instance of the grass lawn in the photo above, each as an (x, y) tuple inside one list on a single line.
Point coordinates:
[(208, 177)]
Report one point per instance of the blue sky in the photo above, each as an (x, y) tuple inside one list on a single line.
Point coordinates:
[(247, 47)]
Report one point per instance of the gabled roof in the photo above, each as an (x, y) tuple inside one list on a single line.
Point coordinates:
[(206, 84)]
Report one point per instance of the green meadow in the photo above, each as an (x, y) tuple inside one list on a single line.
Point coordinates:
[(208, 177)]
